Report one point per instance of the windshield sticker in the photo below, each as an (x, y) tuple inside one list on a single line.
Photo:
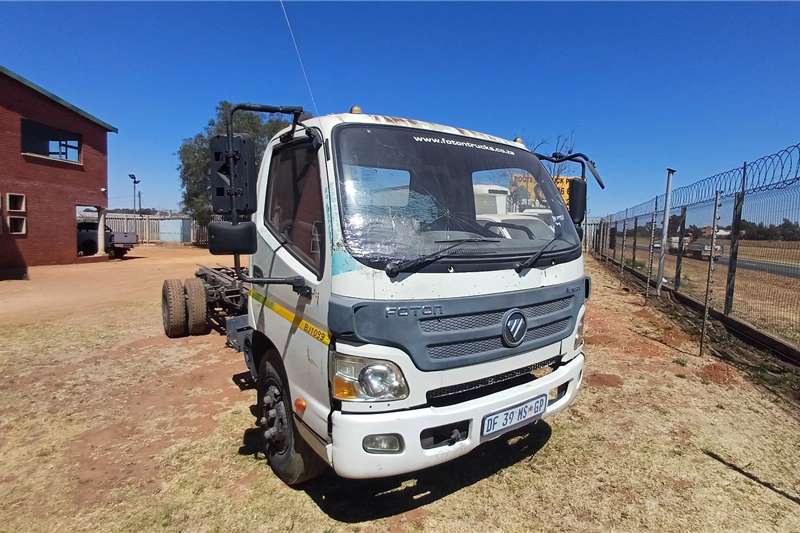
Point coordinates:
[(465, 144)]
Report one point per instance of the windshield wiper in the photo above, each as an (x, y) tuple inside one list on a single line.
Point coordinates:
[(393, 268), (529, 262)]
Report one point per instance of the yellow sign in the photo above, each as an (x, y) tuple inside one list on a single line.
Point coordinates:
[(562, 182)]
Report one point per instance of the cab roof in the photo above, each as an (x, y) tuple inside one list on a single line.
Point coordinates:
[(327, 122)]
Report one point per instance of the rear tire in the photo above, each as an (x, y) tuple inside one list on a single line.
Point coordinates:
[(196, 306), (289, 456), (88, 248), (119, 253), (173, 308)]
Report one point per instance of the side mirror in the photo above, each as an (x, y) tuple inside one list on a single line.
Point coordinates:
[(225, 238), (577, 201), (246, 175)]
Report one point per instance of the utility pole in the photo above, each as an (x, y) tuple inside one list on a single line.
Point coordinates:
[(665, 230), (140, 201), (135, 182)]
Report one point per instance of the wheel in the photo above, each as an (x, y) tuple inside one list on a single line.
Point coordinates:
[(196, 306), (88, 248), (289, 456), (118, 253), (173, 308)]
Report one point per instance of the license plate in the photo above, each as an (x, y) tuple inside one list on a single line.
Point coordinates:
[(513, 416)]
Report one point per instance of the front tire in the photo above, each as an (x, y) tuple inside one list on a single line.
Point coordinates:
[(289, 456)]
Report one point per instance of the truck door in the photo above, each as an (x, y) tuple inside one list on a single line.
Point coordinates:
[(291, 230)]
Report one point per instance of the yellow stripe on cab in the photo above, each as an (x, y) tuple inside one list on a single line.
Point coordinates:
[(317, 333)]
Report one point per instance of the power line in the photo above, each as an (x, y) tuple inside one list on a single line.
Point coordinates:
[(299, 59)]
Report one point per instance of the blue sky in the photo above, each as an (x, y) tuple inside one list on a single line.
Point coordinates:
[(699, 87)]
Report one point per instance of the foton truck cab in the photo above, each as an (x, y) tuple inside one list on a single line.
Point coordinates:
[(386, 329)]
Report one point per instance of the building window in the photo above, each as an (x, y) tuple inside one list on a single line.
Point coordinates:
[(16, 206), (15, 202), (42, 140), (17, 225)]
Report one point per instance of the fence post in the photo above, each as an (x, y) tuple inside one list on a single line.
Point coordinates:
[(664, 231), (622, 250), (679, 259), (650, 253), (710, 277), (597, 227), (733, 256), (614, 240), (635, 229), (603, 240)]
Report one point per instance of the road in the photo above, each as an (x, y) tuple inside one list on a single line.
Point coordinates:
[(771, 267), (759, 265)]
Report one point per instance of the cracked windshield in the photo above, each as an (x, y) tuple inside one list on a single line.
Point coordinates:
[(405, 193)]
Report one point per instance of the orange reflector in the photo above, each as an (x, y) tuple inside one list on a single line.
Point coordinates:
[(300, 406)]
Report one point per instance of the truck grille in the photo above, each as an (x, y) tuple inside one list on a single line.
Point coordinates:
[(466, 322), (442, 333), (482, 387), (460, 349)]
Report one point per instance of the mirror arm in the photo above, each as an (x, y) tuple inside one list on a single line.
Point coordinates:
[(298, 283), (577, 157), (230, 156), (289, 135)]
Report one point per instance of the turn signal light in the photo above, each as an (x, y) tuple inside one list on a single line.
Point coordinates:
[(344, 389), (300, 406)]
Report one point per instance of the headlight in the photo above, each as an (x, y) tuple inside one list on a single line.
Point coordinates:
[(579, 334), (358, 379)]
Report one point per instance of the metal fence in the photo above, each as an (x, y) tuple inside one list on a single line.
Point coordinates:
[(745, 263), (155, 229)]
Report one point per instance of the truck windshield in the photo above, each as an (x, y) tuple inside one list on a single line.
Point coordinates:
[(406, 192)]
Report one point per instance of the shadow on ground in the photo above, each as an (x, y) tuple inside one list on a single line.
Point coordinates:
[(354, 501)]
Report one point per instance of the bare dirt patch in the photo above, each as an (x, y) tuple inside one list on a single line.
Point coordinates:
[(600, 340), (603, 380), (718, 373)]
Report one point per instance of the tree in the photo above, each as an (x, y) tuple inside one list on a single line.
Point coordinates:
[(195, 162), (564, 144), (786, 231), (790, 231)]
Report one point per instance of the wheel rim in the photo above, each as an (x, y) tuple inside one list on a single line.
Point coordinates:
[(274, 419)]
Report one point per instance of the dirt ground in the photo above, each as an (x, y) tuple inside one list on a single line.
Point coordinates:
[(107, 425)]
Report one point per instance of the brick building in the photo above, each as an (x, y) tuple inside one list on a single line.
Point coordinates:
[(53, 158)]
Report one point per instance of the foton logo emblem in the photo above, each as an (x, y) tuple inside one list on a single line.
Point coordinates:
[(514, 328), (413, 310)]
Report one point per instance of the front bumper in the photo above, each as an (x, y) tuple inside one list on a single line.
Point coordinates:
[(349, 459)]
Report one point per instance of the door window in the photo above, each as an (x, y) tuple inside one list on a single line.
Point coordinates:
[(294, 203)]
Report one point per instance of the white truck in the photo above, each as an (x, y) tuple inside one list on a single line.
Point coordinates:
[(386, 329)]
